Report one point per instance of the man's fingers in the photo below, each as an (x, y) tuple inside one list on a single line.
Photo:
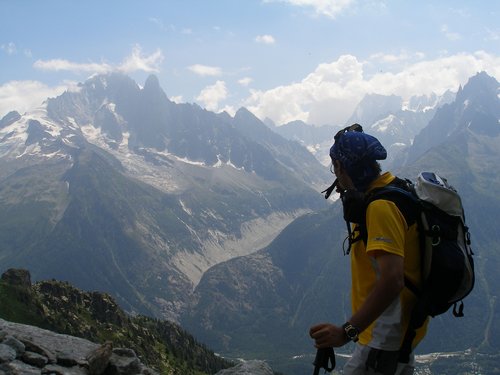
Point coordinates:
[(314, 329)]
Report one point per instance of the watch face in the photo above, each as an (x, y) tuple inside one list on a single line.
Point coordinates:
[(351, 332)]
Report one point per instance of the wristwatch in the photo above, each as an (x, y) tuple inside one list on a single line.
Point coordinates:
[(351, 332)]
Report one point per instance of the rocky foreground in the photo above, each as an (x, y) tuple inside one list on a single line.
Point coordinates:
[(30, 350), (31, 314)]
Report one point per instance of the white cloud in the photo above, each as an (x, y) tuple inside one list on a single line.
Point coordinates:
[(401, 57), (245, 81), (229, 109), (210, 96), (177, 99), (9, 48), (61, 64), (450, 35), (332, 87), (493, 35), (329, 8), (265, 39), (135, 62), (204, 70), (330, 94), (23, 96)]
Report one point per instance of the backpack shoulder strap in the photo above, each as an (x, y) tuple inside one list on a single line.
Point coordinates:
[(402, 194)]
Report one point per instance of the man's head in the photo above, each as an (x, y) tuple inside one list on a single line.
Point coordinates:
[(357, 153)]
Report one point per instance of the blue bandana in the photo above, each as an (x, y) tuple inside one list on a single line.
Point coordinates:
[(357, 151)]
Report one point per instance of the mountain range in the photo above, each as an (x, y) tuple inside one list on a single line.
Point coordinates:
[(391, 119), (216, 221), (113, 187)]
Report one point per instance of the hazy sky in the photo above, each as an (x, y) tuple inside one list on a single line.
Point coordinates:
[(311, 60)]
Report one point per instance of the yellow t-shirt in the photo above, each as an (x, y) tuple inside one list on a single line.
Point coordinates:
[(387, 231)]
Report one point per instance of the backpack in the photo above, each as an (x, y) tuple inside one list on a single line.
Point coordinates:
[(446, 254)]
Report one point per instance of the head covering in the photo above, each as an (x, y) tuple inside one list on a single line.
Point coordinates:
[(357, 152)]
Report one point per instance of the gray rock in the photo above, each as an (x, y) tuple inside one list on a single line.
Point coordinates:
[(145, 371), (7, 353), (39, 349), (15, 344), (18, 368), (34, 359), (98, 359), (125, 365), (67, 360), (253, 367), (17, 277), (61, 370), (124, 352), (58, 344)]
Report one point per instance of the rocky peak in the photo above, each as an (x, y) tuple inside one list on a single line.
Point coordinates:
[(152, 83), (479, 84), (17, 277), (9, 119)]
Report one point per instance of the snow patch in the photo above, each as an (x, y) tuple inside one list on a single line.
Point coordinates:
[(187, 161), (92, 134), (219, 162), (229, 163), (72, 123), (184, 160), (185, 208), (124, 143)]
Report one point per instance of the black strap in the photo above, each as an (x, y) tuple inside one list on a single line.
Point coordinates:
[(328, 191), (460, 312), (325, 359)]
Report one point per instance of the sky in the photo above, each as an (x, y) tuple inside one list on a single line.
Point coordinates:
[(284, 60)]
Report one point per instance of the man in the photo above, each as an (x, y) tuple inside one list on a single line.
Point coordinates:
[(380, 260)]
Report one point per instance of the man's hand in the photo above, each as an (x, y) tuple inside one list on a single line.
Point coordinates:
[(327, 335)]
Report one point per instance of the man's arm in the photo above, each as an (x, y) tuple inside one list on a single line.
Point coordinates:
[(385, 290)]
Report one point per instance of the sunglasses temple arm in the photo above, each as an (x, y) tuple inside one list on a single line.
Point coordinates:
[(330, 189)]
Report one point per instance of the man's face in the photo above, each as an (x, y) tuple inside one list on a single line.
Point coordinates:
[(344, 182)]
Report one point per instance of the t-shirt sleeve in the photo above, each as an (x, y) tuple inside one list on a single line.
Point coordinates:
[(386, 227)]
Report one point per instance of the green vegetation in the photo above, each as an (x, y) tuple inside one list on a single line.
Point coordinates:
[(95, 316)]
